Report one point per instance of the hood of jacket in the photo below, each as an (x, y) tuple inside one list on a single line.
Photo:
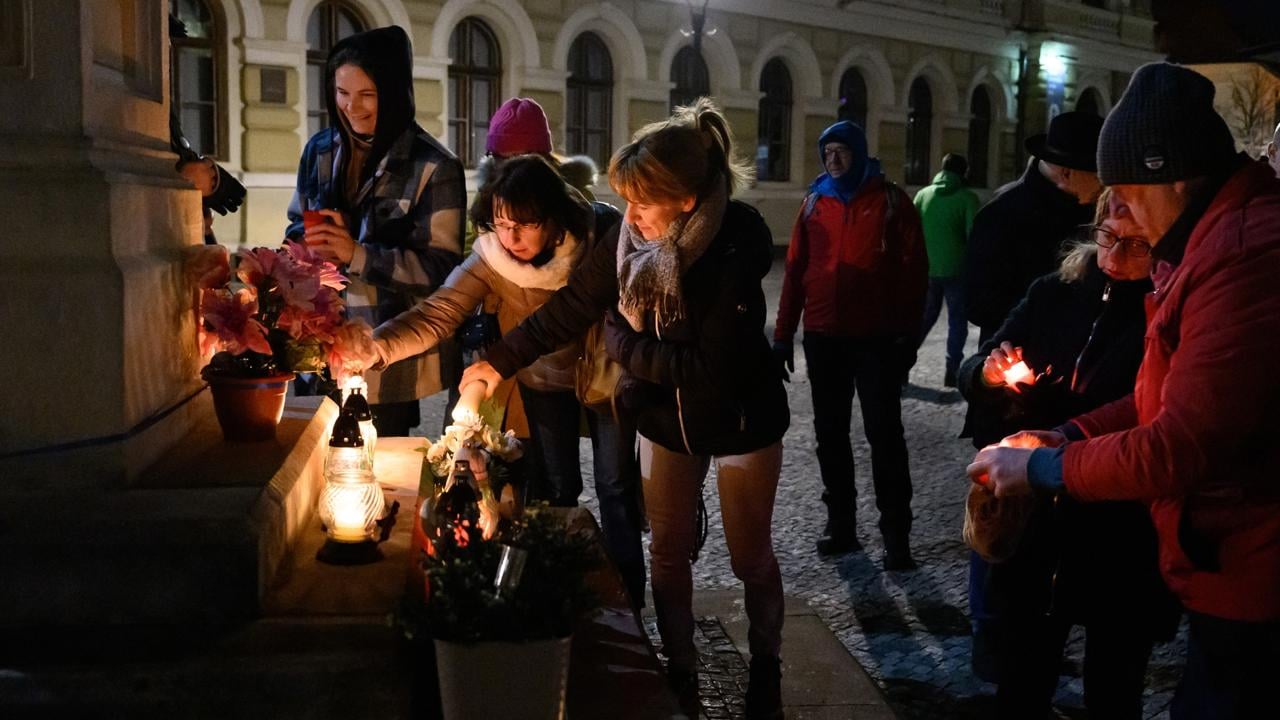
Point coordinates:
[(861, 166), (579, 171), (947, 182), (387, 56)]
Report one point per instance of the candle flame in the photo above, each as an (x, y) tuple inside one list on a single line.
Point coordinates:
[(1019, 373)]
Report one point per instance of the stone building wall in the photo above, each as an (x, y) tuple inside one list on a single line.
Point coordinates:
[(1067, 50)]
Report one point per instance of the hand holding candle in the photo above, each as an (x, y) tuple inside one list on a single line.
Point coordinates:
[(467, 411), (1006, 366)]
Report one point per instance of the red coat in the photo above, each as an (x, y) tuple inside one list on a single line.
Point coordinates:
[(851, 275), (1203, 422)]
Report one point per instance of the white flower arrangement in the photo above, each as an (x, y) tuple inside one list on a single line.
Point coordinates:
[(503, 446)]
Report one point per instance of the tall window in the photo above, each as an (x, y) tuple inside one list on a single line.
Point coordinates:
[(475, 81), (689, 73), (919, 132), (773, 137), (979, 136), (590, 98), (853, 98), (330, 22), (1090, 102), (193, 76)]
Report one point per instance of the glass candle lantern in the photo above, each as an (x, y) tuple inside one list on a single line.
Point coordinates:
[(351, 501)]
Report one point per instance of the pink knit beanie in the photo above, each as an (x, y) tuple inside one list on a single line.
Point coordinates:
[(520, 126)]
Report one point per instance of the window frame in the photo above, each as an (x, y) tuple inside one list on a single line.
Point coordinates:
[(841, 112), (980, 157), (459, 88), (685, 94), (773, 122), (320, 56), (919, 132), (577, 126), (213, 44)]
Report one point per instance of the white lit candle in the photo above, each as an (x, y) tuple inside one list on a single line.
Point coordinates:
[(467, 411), (348, 518)]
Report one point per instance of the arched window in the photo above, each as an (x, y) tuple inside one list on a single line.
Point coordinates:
[(590, 99), (193, 76), (689, 73), (773, 136), (979, 136), (853, 98), (475, 85), (919, 132), (1090, 102), (330, 22)]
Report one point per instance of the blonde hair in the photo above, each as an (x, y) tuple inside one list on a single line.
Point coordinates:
[(1077, 257), (682, 156)]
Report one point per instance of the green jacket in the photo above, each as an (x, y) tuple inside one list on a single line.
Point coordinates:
[(947, 208)]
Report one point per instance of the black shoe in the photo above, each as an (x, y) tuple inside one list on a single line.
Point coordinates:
[(897, 556), (949, 379), (839, 544), (764, 689), (684, 684), (838, 539)]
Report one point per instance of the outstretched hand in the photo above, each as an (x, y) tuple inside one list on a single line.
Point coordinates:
[(481, 371)]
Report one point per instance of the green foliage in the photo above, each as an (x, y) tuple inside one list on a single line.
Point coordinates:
[(553, 594)]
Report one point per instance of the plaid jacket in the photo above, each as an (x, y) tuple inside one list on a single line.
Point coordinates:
[(408, 223)]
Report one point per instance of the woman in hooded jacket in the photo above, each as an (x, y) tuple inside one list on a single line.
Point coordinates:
[(386, 203), (687, 325)]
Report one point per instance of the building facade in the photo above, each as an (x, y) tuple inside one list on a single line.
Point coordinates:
[(925, 77)]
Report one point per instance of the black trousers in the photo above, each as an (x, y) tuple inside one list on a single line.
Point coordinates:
[(1231, 672), (840, 368), (1030, 658)]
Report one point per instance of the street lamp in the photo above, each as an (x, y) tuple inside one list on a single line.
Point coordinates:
[(699, 19)]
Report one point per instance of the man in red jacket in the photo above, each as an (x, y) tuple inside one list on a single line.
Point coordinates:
[(857, 270), (1197, 439)]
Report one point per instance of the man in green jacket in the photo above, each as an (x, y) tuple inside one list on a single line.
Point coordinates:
[(947, 208)]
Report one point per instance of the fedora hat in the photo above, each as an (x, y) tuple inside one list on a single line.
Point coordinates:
[(1072, 141)]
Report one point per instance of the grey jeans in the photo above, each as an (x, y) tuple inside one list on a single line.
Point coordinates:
[(747, 485)]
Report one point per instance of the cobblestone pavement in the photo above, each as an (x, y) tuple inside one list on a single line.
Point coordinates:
[(909, 630)]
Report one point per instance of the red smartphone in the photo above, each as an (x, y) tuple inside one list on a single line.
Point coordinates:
[(311, 218)]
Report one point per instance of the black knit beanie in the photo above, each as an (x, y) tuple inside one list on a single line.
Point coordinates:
[(1164, 129)]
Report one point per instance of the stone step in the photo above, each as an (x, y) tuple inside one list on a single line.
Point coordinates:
[(196, 538)]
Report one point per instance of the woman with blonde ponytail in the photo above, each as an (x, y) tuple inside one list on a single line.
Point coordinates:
[(685, 319)]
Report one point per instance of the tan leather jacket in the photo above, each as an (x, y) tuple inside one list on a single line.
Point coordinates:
[(488, 273)]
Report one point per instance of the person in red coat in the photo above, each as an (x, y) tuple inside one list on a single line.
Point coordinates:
[(1197, 438), (857, 270)]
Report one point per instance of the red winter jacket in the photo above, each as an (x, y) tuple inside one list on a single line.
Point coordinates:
[(1203, 438), (850, 274)]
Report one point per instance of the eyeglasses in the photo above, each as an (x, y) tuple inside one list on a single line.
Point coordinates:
[(510, 227), (833, 152), (1129, 245)]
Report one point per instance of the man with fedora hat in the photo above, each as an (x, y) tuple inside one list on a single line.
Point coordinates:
[(1197, 438), (1018, 235)]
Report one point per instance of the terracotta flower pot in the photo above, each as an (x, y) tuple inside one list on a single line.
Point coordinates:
[(249, 409)]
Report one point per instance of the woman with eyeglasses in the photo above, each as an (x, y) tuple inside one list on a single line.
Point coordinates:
[(534, 229), (1080, 331)]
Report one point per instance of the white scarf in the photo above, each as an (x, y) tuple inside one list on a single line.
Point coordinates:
[(551, 276)]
